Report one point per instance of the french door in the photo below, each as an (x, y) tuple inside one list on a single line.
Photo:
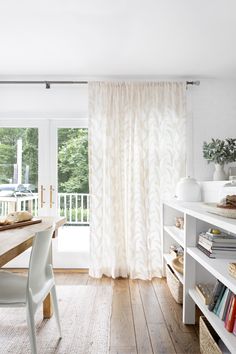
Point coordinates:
[(69, 187), (51, 156)]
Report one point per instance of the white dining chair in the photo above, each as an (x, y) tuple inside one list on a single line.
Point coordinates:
[(30, 291)]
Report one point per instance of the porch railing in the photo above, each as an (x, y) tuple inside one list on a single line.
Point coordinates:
[(10, 204), (75, 207)]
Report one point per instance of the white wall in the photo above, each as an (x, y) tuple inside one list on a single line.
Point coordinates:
[(214, 115), (34, 101), (212, 106)]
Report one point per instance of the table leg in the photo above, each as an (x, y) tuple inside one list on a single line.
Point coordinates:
[(47, 307)]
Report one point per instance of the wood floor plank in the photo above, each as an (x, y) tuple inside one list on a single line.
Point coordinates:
[(160, 338), (184, 337), (124, 350), (140, 325), (97, 281), (93, 281), (164, 295), (107, 281), (122, 327), (71, 278)]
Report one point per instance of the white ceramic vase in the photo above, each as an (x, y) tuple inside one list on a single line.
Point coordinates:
[(188, 190), (219, 173)]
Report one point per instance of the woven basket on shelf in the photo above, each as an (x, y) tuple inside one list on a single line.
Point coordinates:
[(232, 269), (175, 286), (207, 337), (178, 264)]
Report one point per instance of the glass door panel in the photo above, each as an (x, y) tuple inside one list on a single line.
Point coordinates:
[(18, 170), (72, 196)]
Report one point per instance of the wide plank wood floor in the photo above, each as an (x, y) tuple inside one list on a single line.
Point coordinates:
[(145, 318)]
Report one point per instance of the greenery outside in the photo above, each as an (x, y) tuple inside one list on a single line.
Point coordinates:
[(72, 157), (8, 153), (73, 160)]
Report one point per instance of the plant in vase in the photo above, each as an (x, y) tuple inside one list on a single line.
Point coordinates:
[(220, 152)]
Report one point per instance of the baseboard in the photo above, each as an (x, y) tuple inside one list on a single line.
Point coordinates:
[(56, 270)]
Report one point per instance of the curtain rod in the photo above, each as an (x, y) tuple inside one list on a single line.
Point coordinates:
[(48, 83)]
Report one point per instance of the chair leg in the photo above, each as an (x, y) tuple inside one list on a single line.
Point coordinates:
[(31, 329), (56, 309)]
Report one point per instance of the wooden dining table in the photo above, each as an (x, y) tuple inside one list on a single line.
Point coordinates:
[(15, 241)]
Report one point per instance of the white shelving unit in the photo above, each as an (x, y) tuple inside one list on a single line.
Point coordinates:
[(176, 234), (197, 266)]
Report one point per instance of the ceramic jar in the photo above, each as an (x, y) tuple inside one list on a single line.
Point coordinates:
[(227, 189), (188, 190)]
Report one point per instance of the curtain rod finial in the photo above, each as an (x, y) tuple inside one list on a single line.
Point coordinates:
[(196, 83)]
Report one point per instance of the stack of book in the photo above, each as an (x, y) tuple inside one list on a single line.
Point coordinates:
[(223, 304), (217, 245)]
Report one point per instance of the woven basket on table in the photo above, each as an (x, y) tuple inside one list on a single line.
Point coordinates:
[(175, 286), (207, 337)]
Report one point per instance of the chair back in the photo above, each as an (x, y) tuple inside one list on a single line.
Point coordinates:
[(40, 261)]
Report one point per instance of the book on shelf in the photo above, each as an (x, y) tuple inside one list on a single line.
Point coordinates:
[(219, 237), (224, 243), (234, 328), (218, 305), (215, 294), (212, 248), (223, 307), (217, 253), (231, 314), (205, 292), (226, 238)]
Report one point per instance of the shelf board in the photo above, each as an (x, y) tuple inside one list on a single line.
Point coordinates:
[(197, 210), (176, 234), (168, 258), (217, 267), (228, 338)]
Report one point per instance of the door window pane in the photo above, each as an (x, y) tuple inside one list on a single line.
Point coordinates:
[(73, 184), (73, 193), (18, 170)]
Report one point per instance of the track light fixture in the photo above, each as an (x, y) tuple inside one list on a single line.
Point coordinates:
[(47, 85)]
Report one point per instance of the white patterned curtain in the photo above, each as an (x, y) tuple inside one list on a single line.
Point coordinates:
[(136, 156)]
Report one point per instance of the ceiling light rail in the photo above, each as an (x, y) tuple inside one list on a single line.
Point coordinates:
[(48, 83)]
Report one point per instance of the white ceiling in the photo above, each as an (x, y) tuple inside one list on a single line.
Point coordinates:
[(128, 38)]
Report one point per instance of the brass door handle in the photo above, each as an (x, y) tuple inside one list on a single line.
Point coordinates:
[(51, 192), (42, 201)]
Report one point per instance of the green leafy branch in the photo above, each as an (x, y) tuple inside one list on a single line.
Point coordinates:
[(220, 151)]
